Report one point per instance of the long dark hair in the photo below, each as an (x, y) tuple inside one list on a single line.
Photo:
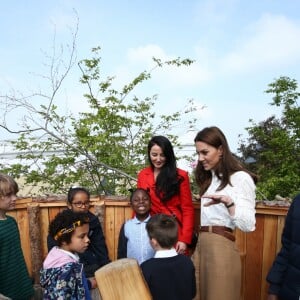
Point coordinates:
[(227, 165), (168, 181)]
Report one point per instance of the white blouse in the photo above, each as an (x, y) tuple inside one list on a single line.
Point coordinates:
[(242, 193)]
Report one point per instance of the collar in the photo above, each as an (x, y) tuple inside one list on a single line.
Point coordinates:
[(72, 255), (165, 253), (137, 221)]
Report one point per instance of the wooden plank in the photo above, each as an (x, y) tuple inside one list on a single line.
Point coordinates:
[(128, 213), (241, 244), (119, 220), (110, 231), (116, 203), (53, 211), (269, 250), (44, 223), (280, 226), (253, 261), (122, 279), (23, 225), (271, 210)]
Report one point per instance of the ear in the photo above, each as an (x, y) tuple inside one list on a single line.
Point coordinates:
[(69, 205), (153, 243), (220, 150)]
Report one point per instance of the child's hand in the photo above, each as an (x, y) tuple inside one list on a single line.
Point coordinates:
[(93, 282)]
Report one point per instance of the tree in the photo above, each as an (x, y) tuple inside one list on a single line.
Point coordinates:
[(104, 147), (274, 144)]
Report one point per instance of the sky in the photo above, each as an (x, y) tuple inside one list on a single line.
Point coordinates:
[(239, 47)]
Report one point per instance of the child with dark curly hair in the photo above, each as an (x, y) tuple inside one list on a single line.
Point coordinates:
[(62, 275)]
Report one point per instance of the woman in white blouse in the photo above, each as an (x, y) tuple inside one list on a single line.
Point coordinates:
[(227, 193)]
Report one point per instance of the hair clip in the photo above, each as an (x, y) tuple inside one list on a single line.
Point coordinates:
[(69, 229)]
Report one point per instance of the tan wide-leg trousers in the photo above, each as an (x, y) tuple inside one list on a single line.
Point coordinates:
[(218, 268)]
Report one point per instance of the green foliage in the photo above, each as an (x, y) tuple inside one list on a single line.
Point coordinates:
[(274, 144), (102, 149)]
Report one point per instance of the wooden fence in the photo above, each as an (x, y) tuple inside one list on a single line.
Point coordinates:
[(258, 248)]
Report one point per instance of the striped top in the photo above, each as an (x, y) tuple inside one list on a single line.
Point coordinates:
[(15, 282)]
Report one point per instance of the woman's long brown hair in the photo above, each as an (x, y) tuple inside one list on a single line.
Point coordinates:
[(227, 165)]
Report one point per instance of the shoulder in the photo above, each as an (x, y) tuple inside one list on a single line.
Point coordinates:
[(11, 219), (93, 218), (149, 263), (241, 176), (127, 224), (182, 172), (295, 207), (185, 259), (296, 200), (145, 171)]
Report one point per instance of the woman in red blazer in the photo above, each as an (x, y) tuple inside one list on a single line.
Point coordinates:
[(169, 188)]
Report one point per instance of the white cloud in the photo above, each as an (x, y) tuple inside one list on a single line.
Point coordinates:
[(270, 42), (214, 12)]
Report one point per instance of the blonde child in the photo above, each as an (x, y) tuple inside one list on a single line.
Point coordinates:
[(15, 282)]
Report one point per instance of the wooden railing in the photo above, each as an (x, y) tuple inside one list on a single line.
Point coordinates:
[(258, 248)]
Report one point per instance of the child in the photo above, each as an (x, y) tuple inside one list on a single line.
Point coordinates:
[(15, 282), (62, 276), (169, 275), (96, 255), (133, 238)]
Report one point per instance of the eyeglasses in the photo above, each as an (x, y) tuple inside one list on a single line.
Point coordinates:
[(80, 204), (71, 228)]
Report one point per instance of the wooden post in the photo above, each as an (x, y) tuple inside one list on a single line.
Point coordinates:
[(99, 210), (35, 240)]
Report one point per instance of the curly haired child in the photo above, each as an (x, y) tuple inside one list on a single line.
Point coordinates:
[(62, 275)]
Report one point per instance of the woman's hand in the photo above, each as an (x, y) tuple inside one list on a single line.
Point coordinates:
[(181, 247), (216, 199)]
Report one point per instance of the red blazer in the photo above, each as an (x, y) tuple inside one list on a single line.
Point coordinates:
[(181, 205)]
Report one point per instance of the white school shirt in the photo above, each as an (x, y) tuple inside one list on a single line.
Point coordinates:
[(138, 242), (242, 193)]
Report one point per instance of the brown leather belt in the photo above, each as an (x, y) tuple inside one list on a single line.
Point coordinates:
[(221, 230)]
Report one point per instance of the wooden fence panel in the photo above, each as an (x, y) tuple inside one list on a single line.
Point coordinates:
[(258, 248), (269, 249), (44, 225), (253, 261), (23, 224)]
